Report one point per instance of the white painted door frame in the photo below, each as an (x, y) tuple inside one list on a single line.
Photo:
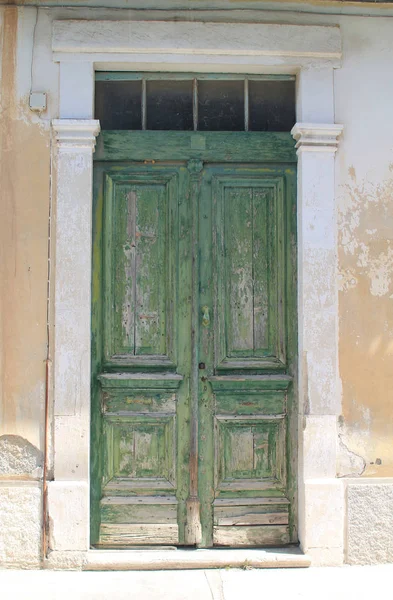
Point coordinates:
[(310, 52)]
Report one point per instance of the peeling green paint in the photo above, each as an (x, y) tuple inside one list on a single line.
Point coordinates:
[(145, 371)]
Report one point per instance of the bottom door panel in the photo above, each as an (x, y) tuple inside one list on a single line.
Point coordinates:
[(250, 522), (251, 505), (140, 535), (139, 504), (268, 535)]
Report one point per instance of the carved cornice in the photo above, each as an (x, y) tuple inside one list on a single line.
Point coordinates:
[(76, 134), (316, 137)]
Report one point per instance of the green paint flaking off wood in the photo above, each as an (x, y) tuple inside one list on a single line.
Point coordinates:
[(248, 272), (238, 272), (141, 337), (176, 146), (139, 268), (262, 403), (140, 265)]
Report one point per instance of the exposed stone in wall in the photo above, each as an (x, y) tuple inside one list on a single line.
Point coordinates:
[(370, 523), (19, 457), (72, 561), (20, 525)]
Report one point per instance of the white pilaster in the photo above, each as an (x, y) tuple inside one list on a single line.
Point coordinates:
[(74, 146), (319, 391), (76, 90), (315, 101)]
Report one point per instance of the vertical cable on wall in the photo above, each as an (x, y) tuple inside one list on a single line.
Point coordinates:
[(48, 364)]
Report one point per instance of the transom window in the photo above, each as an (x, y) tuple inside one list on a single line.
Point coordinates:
[(184, 102)]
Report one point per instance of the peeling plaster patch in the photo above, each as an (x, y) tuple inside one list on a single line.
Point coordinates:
[(19, 457), (24, 198), (347, 279), (381, 273), (349, 464), (366, 415), (365, 221)]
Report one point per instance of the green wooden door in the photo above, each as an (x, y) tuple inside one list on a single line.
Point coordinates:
[(194, 340)]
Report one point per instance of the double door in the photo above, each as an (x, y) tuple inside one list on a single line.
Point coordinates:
[(193, 340)]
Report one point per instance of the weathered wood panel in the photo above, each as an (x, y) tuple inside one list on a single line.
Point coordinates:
[(140, 447), (250, 453), (261, 275), (129, 535), (138, 488), (242, 375), (262, 403), (249, 268), (138, 402), (251, 514), (207, 146), (139, 260), (151, 271), (238, 243), (250, 383), (255, 519), (140, 381), (230, 503), (139, 511), (139, 267), (253, 535)]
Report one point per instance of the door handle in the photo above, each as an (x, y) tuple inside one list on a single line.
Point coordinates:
[(205, 316)]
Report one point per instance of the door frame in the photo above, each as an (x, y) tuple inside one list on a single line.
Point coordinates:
[(311, 53)]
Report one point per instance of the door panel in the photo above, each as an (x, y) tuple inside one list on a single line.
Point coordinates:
[(246, 430), (194, 348), (143, 396), (249, 271), (140, 240)]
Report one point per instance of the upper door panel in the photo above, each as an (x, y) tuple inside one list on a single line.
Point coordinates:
[(249, 270), (140, 239)]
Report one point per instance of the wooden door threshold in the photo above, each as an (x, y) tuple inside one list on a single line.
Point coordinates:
[(155, 560)]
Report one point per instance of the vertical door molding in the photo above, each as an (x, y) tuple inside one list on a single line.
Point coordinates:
[(320, 493), (68, 493)]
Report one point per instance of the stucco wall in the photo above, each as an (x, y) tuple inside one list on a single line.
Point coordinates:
[(364, 188), (364, 193), (24, 201)]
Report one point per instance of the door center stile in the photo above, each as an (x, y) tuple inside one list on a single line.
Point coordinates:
[(193, 530)]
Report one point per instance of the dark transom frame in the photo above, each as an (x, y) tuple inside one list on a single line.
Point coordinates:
[(195, 78)]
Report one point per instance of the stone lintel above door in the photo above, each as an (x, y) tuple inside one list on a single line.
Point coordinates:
[(247, 45)]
